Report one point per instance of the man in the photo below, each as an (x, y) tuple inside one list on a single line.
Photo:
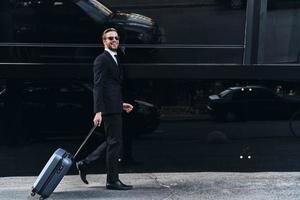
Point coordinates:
[(108, 107)]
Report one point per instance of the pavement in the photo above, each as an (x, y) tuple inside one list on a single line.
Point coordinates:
[(167, 186)]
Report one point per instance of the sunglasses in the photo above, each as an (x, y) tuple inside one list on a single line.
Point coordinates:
[(111, 38)]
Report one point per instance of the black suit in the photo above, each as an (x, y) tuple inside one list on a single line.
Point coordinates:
[(108, 77)]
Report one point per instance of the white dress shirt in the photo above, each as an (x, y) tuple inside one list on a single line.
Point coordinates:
[(113, 54)]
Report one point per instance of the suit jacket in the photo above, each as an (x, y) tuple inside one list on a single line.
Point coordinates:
[(108, 78)]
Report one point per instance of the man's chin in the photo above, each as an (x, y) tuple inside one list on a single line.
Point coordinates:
[(113, 49)]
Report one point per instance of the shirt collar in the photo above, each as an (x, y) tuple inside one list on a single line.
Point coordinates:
[(113, 53)]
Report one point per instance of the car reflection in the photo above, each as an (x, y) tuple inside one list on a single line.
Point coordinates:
[(251, 103), (74, 27), (65, 20), (135, 27), (66, 110)]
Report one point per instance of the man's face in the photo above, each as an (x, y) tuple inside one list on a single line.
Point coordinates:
[(111, 40)]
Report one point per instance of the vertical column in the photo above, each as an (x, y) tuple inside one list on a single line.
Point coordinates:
[(254, 31)]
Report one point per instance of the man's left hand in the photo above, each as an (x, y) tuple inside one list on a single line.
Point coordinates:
[(127, 107)]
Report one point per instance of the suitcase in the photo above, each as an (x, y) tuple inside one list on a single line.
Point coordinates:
[(57, 166)]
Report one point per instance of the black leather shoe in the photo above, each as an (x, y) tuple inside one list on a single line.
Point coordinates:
[(82, 169), (118, 185)]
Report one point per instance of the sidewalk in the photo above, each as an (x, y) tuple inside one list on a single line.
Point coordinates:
[(167, 186)]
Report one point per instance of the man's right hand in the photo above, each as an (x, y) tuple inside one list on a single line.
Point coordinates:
[(97, 119)]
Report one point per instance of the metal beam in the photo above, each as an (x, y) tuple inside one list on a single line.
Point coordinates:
[(153, 71)]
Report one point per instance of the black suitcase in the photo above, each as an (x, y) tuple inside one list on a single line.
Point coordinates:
[(55, 169)]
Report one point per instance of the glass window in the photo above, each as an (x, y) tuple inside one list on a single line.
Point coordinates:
[(64, 22), (193, 22), (282, 34), (192, 31), (202, 31), (95, 9)]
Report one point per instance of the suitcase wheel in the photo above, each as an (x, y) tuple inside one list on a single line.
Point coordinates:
[(32, 193), (41, 198)]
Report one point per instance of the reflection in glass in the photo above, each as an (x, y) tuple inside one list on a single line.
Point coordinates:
[(282, 38), (95, 9)]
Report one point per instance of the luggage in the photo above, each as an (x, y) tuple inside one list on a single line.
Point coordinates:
[(55, 169)]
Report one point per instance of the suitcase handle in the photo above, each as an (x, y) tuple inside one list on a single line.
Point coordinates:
[(85, 140)]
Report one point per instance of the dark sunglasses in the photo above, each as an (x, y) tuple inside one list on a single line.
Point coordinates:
[(111, 38)]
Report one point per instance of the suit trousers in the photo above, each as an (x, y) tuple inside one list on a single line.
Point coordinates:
[(112, 145)]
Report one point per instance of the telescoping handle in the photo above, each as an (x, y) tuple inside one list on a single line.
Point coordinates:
[(85, 140)]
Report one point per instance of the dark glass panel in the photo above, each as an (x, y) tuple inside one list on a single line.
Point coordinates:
[(282, 34)]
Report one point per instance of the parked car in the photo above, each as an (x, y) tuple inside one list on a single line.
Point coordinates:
[(78, 23), (59, 109), (251, 103)]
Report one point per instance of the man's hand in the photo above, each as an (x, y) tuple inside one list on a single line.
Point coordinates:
[(97, 119), (127, 107)]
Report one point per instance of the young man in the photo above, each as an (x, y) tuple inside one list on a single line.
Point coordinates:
[(108, 107)]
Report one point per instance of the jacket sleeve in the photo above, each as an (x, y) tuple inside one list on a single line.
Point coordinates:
[(99, 76)]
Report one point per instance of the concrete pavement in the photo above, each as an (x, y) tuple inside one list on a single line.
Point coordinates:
[(167, 186)]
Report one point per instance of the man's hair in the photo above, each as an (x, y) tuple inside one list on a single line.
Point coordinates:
[(108, 30)]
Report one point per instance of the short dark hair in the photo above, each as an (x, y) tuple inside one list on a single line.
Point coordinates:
[(108, 30)]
